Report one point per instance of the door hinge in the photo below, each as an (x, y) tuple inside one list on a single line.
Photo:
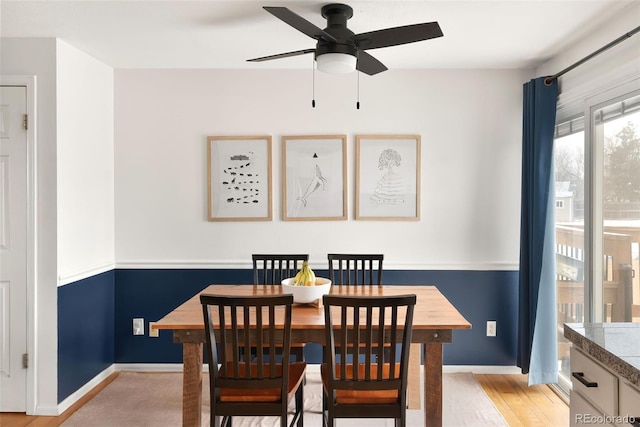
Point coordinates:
[(25, 361), (25, 121)]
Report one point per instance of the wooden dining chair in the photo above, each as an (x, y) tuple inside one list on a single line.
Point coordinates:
[(358, 330), (260, 386), (271, 269), (355, 269)]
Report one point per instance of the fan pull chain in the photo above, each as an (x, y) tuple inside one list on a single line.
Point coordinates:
[(313, 84), (358, 90)]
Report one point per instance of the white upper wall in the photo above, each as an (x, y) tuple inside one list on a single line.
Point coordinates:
[(85, 165), (469, 121)]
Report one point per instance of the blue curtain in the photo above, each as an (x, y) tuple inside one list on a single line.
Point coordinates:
[(537, 329)]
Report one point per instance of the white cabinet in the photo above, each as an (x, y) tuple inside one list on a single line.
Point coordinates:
[(600, 397), (629, 398), (583, 413)]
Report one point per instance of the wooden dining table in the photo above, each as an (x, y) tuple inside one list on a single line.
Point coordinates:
[(435, 318)]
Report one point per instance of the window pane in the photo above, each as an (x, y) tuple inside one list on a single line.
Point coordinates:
[(569, 212), (618, 129)]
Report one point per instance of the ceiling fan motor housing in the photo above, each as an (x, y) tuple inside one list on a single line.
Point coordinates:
[(337, 15)]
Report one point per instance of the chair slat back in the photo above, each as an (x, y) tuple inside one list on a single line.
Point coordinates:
[(271, 269), (355, 350), (235, 324), (355, 269)]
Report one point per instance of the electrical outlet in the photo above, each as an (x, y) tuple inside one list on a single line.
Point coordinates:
[(491, 328), (138, 326), (152, 331)]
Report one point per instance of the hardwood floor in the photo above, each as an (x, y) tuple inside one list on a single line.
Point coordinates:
[(12, 419), (519, 404)]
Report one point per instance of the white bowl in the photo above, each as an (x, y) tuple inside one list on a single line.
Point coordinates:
[(307, 294)]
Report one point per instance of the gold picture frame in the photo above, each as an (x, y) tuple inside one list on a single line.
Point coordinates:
[(388, 177), (314, 178), (239, 178)]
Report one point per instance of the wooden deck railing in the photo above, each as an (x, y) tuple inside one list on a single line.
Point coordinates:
[(620, 287)]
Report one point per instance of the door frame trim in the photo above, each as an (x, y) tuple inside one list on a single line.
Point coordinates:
[(29, 82)]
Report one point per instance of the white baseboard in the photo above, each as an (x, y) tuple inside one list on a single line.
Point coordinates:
[(482, 369), (78, 394), (48, 411), (149, 367)]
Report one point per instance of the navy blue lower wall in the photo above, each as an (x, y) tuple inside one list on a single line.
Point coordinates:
[(151, 294), (86, 338), (95, 316), (478, 295)]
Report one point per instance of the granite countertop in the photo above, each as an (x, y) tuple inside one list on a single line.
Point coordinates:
[(615, 345)]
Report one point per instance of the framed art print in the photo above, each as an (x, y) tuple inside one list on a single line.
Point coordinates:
[(239, 178), (388, 177), (314, 177)]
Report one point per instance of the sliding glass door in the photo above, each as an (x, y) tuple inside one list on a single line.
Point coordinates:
[(597, 215), (616, 136)]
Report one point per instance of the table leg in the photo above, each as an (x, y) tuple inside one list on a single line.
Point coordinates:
[(192, 385), (413, 383), (433, 384)]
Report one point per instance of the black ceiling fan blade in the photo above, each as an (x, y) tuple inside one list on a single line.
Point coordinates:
[(299, 23), (398, 35), (282, 55), (368, 64)]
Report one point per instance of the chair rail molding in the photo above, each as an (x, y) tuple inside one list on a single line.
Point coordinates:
[(74, 276), (315, 262)]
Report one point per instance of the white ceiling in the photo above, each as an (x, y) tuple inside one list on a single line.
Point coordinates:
[(224, 34)]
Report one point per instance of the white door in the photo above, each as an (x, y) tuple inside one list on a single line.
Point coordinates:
[(13, 248)]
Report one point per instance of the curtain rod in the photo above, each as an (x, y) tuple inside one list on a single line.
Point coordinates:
[(623, 37)]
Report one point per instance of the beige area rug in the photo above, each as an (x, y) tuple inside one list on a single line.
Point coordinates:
[(137, 399)]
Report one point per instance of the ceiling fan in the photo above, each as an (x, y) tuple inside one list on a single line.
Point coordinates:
[(338, 49)]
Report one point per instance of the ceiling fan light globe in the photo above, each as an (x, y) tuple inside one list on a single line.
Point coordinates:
[(336, 63)]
